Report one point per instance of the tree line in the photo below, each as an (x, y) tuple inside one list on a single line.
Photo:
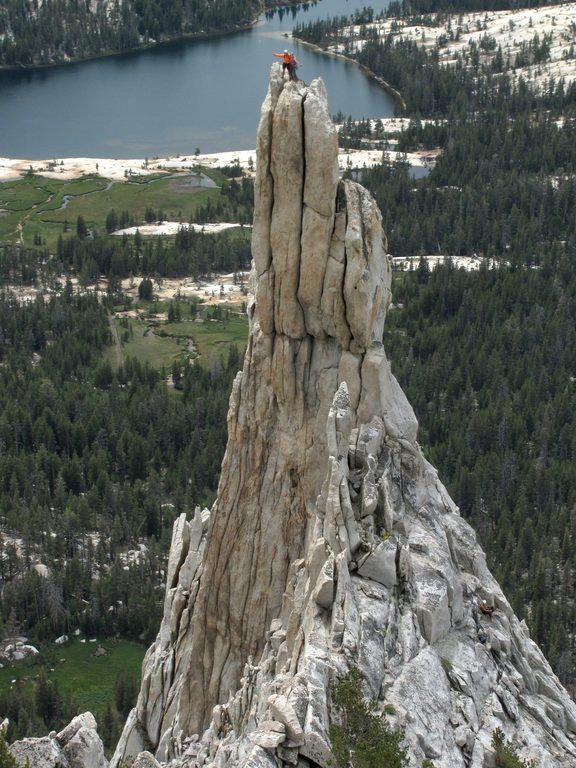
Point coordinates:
[(190, 253), (92, 463), (431, 88), (58, 31), (416, 7)]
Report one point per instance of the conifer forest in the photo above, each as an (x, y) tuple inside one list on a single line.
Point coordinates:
[(60, 31)]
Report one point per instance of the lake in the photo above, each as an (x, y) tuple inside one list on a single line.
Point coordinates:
[(186, 95)]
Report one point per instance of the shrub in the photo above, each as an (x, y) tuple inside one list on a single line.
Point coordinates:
[(7, 759), (506, 757), (363, 739)]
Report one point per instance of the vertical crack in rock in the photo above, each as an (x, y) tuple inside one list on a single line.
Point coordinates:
[(302, 202), (319, 203), (333, 302), (287, 168), (332, 542)]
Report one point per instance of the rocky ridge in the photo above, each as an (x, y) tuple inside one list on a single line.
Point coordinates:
[(76, 746), (332, 543)]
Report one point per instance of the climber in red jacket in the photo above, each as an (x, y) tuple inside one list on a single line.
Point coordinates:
[(285, 62)]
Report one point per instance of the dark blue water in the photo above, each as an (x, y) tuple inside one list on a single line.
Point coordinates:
[(190, 94)]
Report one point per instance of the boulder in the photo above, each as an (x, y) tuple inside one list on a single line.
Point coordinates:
[(85, 750), (269, 734), (380, 564), (145, 760), (325, 585), (40, 753), (85, 720), (283, 711)]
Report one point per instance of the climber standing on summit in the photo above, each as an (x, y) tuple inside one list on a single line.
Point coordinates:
[(285, 62)]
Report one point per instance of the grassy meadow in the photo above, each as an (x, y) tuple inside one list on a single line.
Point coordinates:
[(36, 210), (160, 343), (137, 339), (43, 207), (87, 678), (211, 337)]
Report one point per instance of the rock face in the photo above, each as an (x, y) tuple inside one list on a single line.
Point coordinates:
[(332, 543)]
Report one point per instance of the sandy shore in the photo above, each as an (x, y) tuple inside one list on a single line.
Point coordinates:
[(122, 169), (118, 169)]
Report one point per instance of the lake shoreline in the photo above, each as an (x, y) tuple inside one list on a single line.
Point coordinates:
[(396, 95), (157, 44), (128, 51), (118, 169), (195, 94)]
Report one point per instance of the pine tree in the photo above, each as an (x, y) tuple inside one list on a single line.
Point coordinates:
[(506, 757), (7, 759), (363, 738)]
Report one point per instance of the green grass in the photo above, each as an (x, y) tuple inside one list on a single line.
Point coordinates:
[(23, 195), (73, 189), (134, 197), (169, 341), (36, 202), (148, 348), (89, 679), (212, 337)]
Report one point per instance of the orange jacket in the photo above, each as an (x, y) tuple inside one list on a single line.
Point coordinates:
[(284, 56)]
